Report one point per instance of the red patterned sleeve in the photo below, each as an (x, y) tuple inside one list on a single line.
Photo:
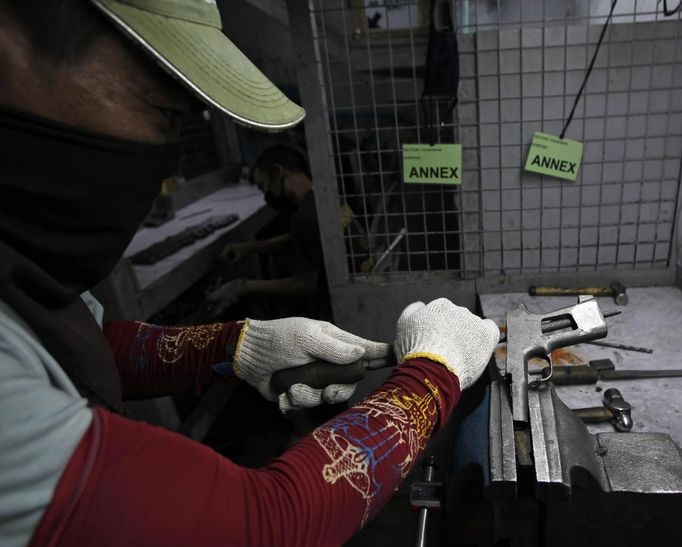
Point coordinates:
[(148, 486), (153, 361)]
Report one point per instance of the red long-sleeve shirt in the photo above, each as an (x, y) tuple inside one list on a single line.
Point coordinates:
[(130, 483), (153, 360)]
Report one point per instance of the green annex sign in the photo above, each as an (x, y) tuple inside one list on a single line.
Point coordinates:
[(437, 164), (555, 157)]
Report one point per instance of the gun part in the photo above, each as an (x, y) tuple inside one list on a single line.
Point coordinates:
[(615, 410), (616, 290), (560, 324), (526, 339)]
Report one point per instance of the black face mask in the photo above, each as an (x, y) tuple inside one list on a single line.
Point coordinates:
[(279, 202), (70, 202)]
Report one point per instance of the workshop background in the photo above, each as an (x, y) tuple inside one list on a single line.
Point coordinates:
[(358, 67), (521, 64)]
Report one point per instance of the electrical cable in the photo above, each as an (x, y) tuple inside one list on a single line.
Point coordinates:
[(432, 123), (668, 13), (589, 70)]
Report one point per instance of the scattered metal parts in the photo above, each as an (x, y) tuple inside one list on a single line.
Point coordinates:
[(615, 410), (591, 373), (174, 243), (617, 345)]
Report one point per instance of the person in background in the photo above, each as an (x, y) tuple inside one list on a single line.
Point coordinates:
[(89, 100), (281, 173)]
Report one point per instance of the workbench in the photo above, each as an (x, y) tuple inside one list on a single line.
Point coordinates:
[(136, 292), (652, 319)]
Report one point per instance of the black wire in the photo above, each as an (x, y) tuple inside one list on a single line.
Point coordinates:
[(673, 12), (589, 70)]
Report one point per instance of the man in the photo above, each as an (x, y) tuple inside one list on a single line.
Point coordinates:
[(281, 173), (86, 129)]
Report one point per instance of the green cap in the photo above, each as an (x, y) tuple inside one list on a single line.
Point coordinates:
[(186, 39)]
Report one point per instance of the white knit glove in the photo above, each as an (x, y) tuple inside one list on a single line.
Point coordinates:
[(225, 295), (265, 347), (448, 334)]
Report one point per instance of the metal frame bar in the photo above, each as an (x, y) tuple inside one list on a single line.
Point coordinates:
[(318, 138)]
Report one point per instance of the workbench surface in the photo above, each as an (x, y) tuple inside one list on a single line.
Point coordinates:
[(653, 319), (243, 200), (137, 291)]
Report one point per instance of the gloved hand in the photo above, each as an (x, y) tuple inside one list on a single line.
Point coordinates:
[(225, 295), (265, 347), (448, 334)]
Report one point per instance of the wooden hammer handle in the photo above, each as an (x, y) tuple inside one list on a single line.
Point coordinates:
[(565, 291)]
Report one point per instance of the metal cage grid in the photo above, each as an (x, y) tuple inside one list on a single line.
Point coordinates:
[(521, 64)]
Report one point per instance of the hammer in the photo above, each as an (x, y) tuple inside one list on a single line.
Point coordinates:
[(615, 410), (616, 289)]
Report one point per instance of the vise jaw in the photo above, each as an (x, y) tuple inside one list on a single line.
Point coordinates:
[(516, 441)]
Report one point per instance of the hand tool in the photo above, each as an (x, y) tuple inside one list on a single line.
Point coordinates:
[(615, 410), (616, 345), (589, 374), (616, 290), (320, 374)]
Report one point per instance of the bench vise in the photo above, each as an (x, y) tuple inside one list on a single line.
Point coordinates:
[(542, 478)]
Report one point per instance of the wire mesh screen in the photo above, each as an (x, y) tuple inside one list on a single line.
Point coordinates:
[(521, 64)]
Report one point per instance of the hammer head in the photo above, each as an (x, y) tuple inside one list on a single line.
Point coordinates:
[(614, 401), (619, 295)]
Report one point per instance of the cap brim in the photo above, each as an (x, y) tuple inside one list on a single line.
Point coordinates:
[(207, 62)]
